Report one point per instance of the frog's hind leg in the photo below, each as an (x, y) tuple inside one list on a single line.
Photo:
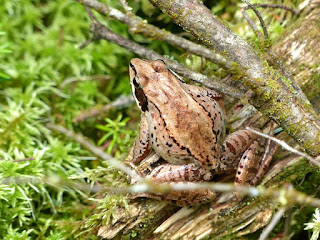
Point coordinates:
[(269, 151), (248, 165), (252, 166), (180, 173), (182, 198)]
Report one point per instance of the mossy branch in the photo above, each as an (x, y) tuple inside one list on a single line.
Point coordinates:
[(102, 32), (275, 95), (140, 26)]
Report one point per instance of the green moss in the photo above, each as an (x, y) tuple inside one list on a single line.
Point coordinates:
[(312, 88)]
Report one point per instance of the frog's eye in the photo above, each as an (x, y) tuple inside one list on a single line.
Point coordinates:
[(159, 65), (161, 60)]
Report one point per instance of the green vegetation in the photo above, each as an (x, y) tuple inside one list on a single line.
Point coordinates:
[(38, 51), (45, 77)]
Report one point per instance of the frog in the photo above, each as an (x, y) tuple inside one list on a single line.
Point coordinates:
[(184, 126)]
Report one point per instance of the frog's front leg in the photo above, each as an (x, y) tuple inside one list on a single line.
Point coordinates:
[(141, 148)]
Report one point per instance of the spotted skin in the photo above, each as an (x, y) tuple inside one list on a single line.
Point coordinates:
[(141, 148), (185, 127)]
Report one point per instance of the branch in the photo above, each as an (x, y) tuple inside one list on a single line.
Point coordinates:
[(226, 212), (294, 11), (101, 31), (69, 80), (95, 150), (251, 23), (275, 219), (140, 26), (287, 147), (118, 103), (275, 96), (265, 32)]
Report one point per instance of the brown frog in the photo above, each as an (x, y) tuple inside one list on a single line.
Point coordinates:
[(185, 125)]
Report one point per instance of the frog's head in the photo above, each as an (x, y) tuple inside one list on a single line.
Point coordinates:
[(143, 79), (143, 71)]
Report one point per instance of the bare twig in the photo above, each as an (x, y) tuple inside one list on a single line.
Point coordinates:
[(276, 60), (287, 224), (275, 219), (294, 11), (84, 78), (24, 159), (103, 32), (86, 43), (287, 196), (251, 23), (95, 150), (140, 26), (286, 146), (21, 160), (118, 103), (90, 14), (126, 7), (265, 32)]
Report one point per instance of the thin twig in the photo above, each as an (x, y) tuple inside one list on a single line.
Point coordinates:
[(118, 103), (90, 14), (102, 31), (140, 26), (86, 43), (126, 7), (24, 159), (287, 225), (95, 150), (20, 160), (251, 23), (286, 146), (276, 60), (265, 32), (286, 196), (69, 80), (294, 11), (275, 219)]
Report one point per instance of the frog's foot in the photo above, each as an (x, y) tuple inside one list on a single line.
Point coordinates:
[(252, 166), (248, 165), (182, 198)]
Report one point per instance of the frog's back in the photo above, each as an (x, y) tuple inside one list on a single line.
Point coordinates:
[(186, 129)]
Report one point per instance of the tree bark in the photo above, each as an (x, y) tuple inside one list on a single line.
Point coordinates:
[(299, 47)]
